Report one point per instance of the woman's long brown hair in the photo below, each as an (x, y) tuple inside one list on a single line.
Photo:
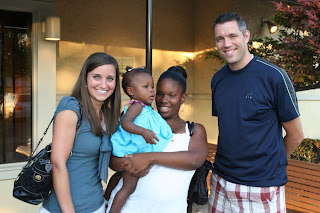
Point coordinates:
[(111, 106)]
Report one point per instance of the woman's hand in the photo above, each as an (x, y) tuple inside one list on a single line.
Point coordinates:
[(135, 164), (144, 172)]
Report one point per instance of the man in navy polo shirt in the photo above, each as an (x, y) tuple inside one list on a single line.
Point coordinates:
[(253, 100)]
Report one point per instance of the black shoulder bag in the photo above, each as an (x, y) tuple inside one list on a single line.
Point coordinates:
[(198, 189), (34, 183)]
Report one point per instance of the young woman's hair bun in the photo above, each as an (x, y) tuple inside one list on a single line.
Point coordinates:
[(179, 69), (176, 73)]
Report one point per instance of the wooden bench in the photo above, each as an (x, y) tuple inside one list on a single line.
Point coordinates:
[(302, 189)]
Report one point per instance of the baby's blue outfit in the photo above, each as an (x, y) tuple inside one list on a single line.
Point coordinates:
[(87, 165), (125, 143)]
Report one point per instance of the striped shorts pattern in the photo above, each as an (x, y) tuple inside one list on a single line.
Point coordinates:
[(227, 197)]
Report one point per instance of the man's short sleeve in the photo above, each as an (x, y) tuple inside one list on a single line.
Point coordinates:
[(286, 100)]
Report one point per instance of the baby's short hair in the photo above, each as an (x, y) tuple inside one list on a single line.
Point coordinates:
[(128, 77)]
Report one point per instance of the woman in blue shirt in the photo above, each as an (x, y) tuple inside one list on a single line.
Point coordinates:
[(80, 155)]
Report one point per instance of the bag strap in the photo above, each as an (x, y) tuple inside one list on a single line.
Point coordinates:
[(45, 132), (190, 127), (79, 122)]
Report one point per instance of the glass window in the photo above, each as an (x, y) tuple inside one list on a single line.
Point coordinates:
[(15, 86)]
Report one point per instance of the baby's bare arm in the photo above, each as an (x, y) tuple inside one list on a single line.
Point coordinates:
[(127, 124)]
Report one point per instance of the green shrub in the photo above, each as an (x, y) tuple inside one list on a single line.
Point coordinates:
[(308, 150)]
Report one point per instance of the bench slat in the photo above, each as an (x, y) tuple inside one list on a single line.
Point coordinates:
[(302, 199), (304, 182), (299, 170), (297, 209), (302, 164), (304, 178), (291, 185), (294, 189), (303, 170), (306, 207)]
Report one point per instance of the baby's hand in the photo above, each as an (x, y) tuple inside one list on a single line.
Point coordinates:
[(149, 136)]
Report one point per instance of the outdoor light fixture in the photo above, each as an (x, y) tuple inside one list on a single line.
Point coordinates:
[(272, 28), (52, 28)]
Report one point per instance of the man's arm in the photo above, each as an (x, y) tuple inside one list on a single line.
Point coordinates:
[(294, 135)]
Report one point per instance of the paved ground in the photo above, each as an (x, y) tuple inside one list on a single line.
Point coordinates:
[(199, 208)]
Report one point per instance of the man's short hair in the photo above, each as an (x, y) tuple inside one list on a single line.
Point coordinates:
[(231, 16)]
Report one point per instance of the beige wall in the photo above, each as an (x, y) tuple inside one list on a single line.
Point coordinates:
[(204, 15), (118, 28), (252, 12), (8, 204), (182, 31)]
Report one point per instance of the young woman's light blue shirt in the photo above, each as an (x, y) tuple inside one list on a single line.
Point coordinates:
[(88, 162)]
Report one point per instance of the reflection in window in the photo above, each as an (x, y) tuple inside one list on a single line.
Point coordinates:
[(15, 86)]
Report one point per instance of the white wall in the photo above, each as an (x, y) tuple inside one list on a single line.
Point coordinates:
[(309, 106)]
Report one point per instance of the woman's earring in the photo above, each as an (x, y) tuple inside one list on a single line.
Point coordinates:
[(182, 107), (86, 86)]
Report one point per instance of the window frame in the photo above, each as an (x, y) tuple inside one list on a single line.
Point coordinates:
[(43, 68)]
